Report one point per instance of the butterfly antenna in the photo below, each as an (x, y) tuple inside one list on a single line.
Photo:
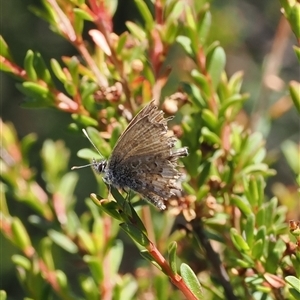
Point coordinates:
[(86, 134), (88, 165), (81, 167)]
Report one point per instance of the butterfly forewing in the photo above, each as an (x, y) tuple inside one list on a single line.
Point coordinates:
[(144, 111)]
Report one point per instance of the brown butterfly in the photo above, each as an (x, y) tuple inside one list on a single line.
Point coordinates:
[(144, 158)]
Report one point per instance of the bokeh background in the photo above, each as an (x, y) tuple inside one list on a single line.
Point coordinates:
[(257, 40)]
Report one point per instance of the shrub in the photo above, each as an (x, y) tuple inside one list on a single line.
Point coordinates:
[(224, 237)]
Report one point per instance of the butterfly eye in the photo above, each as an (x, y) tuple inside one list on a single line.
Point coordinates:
[(99, 166)]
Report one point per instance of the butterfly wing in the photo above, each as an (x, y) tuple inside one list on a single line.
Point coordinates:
[(148, 109), (155, 177), (144, 158)]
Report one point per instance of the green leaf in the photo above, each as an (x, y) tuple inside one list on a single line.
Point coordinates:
[(204, 172), (89, 288), (73, 65), (136, 234), (204, 26), (216, 65), (201, 81), (253, 192), (66, 188), (27, 143), (161, 286), (136, 31), (171, 31), (235, 82), (202, 192), (235, 100), (145, 12), (176, 10), (294, 282), (172, 256), (39, 95), (243, 263), (87, 91), (294, 88), (111, 6), (85, 121), (95, 266), (293, 17), (242, 204), (188, 188), (58, 71), (296, 50), (248, 260), (285, 6), (263, 289), (70, 87), (253, 144), (55, 158), (20, 235), (292, 155), (62, 280), (128, 289), (191, 280), (109, 207), (258, 168), (210, 137), (84, 15), (116, 255), (124, 205), (186, 44), (46, 14), (86, 241), (190, 20), (210, 119), (4, 50), (63, 241), (116, 133), (45, 250), (294, 293), (42, 70), (3, 295), (89, 154), (195, 95), (29, 65), (261, 233), (170, 8), (121, 42), (249, 228), (257, 249), (21, 261), (238, 240), (296, 263), (270, 213)]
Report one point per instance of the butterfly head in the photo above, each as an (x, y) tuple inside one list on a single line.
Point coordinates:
[(99, 166)]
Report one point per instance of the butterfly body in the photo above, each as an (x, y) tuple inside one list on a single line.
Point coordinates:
[(144, 158)]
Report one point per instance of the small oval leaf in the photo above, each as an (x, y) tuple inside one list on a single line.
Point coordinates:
[(191, 280)]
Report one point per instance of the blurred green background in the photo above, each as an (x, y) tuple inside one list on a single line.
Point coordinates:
[(256, 38)]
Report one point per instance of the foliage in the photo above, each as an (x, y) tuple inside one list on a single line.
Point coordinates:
[(233, 242)]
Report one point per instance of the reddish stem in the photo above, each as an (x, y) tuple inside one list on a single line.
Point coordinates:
[(175, 278)]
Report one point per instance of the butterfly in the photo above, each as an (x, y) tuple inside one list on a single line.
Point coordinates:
[(144, 158)]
